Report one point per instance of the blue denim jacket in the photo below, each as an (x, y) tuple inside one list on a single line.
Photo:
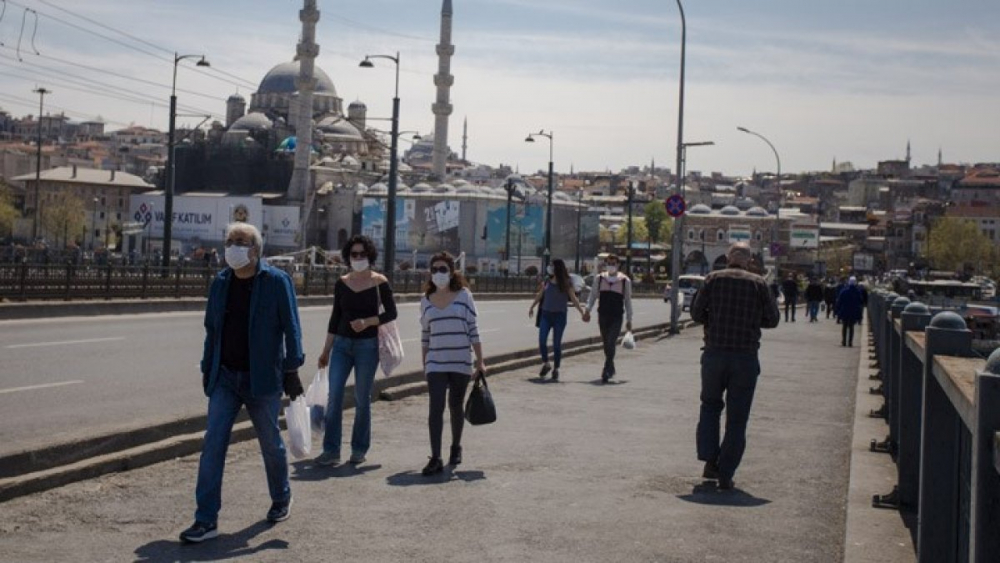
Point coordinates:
[(275, 333)]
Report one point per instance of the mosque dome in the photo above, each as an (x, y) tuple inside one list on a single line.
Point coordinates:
[(281, 80), (339, 126), (421, 188), (251, 122), (730, 210), (468, 189), (700, 209), (378, 189), (757, 212), (444, 189)]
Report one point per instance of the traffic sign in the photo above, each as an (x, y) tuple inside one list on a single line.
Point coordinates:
[(676, 206)]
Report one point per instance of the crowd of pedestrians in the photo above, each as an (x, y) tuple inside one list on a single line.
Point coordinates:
[(253, 351)]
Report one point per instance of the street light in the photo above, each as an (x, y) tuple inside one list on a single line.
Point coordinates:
[(168, 199), (38, 163), (675, 258), (628, 240), (93, 226), (777, 216), (390, 206), (579, 234), (548, 212)]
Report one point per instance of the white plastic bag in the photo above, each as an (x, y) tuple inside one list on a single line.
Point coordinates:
[(318, 393), (299, 431), (628, 342), (390, 348)]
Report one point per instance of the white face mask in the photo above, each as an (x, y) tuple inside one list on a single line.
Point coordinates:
[(440, 280), (612, 270), (359, 265), (550, 270), (238, 257)]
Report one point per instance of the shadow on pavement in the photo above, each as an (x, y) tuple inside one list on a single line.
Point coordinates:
[(410, 478), (226, 546), (710, 494), (601, 383), (306, 470)]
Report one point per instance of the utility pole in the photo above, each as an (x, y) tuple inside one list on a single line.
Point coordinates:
[(38, 163)]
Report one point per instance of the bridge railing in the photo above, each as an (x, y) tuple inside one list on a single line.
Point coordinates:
[(942, 407)]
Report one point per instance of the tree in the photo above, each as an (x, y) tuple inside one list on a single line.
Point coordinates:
[(958, 244), (63, 216), (656, 219), (8, 213)]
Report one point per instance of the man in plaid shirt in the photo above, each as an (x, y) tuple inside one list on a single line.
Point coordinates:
[(733, 305)]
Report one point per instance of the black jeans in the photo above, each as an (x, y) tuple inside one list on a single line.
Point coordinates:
[(728, 381), (453, 385), (847, 334), (829, 309), (610, 327), (790, 306)]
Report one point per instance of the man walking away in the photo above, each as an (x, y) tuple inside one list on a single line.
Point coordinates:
[(790, 288), (814, 296), (850, 303), (733, 305), (613, 292), (830, 297), (253, 350)]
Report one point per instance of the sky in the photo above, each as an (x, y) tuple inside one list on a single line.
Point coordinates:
[(852, 80)]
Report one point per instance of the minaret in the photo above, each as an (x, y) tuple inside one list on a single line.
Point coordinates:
[(306, 53), (907, 151), (940, 162), (443, 81), (465, 137)]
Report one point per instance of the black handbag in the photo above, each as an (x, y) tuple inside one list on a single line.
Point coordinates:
[(480, 408)]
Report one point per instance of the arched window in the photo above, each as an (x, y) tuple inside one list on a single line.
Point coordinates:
[(720, 235), (701, 234), (690, 234), (760, 236)]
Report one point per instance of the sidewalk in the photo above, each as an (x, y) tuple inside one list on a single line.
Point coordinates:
[(573, 471)]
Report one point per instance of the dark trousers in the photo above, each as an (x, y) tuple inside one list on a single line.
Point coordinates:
[(790, 306), (611, 327), (439, 386), (847, 334), (728, 381), (829, 309)]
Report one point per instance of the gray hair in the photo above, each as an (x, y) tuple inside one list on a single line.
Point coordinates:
[(247, 229), (739, 254)]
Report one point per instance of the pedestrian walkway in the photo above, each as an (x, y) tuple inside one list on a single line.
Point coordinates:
[(573, 471)]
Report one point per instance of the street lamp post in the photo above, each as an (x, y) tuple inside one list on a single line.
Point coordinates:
[(579, 223), (390, 206), (675, 258), (93, 226), (38, 162), (548, 211), (628, 241), (168, 197), (777, 215)]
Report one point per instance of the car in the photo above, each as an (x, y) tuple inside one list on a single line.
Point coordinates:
[(688, 286)]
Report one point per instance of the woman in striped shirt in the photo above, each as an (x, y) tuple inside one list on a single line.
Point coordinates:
[(449, 334)]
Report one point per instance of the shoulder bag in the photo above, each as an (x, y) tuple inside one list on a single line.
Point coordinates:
[(390, 345)]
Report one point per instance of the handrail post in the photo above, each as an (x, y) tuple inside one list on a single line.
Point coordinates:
[(24, 280), (69, 282), (896, 340), (107, 282), (985, 526), (938, 526), (145, 279), (915, 317)]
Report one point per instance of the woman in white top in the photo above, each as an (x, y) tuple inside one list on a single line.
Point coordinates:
[(449, 335)]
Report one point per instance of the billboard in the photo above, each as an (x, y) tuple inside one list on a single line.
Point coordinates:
[(804, 236), (864, 262), (739, 233), (195, 218), (281, 225)]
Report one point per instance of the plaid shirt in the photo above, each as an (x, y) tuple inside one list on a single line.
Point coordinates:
[(734, 305)]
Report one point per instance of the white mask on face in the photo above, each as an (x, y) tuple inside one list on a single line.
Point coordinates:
[(359, 265), (550, 270), (238, 257), (612, 270), (440, 280)]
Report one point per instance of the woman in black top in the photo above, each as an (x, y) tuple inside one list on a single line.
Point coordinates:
[(352, 343)]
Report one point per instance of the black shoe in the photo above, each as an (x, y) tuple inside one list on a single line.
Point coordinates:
[(433, 466), (456, 456), (844, 344), (280, 511), (726, 484), (199, 532), (555, 374), (605, 376), (545, 371), (711, 470)]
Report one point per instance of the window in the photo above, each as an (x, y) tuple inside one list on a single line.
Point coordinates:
[(759, 236), (121, 203), (102, 215), (720, 235), (701, 234), (690, 234)]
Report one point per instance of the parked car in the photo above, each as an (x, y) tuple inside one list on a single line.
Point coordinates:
[(688, 286)]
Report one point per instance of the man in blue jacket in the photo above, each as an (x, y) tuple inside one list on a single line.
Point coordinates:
[(850, 310), (253, 350)]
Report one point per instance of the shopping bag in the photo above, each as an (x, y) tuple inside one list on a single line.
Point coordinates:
[(480, 408), (628, 342), (299, 431), (390, 345), (318, 393)]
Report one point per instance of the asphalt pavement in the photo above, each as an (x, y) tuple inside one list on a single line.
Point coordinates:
[(63, 379), (574, 471)]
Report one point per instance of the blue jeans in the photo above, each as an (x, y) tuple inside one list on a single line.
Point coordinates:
[(555, 322), (732, 375), (361, 355), (232, 392), (813, 307)]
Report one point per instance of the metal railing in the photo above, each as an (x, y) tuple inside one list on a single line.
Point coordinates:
[(39, 282), (942, 406)]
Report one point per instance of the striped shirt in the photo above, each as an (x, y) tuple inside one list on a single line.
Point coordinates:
[(448, 334)]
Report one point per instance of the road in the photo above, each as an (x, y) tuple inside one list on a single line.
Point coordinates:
[(68, 378)]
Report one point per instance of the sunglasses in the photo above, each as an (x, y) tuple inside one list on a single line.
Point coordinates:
[(441, 270), (361, 254)]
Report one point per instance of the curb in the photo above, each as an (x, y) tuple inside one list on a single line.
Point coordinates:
[(28, 472)]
